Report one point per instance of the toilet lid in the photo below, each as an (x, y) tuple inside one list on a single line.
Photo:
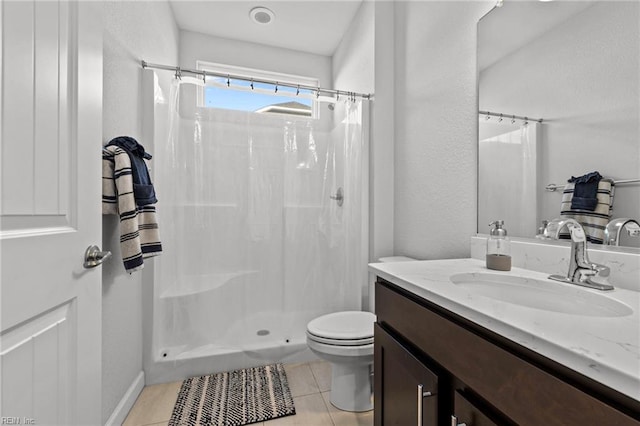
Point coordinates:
[(350, 325)]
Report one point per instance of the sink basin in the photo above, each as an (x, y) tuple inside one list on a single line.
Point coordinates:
[(541, 294)]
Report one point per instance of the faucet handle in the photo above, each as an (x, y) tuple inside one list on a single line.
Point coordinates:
[(601, 270)]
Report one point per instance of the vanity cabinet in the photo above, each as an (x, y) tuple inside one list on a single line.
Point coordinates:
[(409, 390), (476, 377)]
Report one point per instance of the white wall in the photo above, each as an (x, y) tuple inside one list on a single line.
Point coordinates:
[(133, 31), (196, 46), (435, 127), (589, 100), (353, 60)]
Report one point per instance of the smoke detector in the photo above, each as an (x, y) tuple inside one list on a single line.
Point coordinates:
[(262, 15)]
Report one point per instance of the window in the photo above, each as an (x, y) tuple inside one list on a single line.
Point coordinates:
[(236, 94)]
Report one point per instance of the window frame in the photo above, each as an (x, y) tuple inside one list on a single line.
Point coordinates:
[(249, 73)]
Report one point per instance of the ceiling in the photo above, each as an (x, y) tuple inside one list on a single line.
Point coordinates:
[(314, 26), (517, 23)]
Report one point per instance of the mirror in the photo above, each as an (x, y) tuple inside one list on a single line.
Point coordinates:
[(575, 66)]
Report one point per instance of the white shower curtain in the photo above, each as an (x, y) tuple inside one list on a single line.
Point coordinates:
[(254, 245), (508, 186)]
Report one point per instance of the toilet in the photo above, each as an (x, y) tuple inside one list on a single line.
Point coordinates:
[(345, 339)]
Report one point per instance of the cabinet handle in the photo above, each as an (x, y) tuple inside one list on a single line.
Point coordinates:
[(421, 394), (454, 422)]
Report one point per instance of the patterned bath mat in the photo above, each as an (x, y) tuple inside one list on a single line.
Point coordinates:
[(234, 398)]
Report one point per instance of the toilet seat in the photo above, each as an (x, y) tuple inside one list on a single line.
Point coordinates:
[(340, 342), (350, 328)]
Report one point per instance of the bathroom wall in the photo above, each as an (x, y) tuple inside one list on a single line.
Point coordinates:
[(133, 31), (435, 127), (353, 60), (196, 46), (588, 126)]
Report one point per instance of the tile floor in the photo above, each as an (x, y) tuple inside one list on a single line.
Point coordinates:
[(309, 383)]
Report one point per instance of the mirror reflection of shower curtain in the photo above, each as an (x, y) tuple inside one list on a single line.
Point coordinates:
[(255, 247), (508, 186)]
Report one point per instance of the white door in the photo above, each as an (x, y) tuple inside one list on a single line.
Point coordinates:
[(51, 112)]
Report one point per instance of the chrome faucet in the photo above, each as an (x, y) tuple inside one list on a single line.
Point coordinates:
[(581, 270), (615, 227)]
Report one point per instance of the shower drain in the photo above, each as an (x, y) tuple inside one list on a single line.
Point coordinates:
[(262, 332)]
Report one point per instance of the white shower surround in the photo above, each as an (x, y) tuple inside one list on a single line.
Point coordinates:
[(254, 246)]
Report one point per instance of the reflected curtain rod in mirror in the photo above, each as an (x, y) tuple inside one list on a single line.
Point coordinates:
[(511, 116)]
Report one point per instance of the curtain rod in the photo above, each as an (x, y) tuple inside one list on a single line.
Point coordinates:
[(204, 75), (511, 116)]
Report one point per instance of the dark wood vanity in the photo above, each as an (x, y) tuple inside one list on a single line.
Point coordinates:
[(432, 365)]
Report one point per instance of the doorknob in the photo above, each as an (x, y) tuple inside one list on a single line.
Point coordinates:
[(94, 257)]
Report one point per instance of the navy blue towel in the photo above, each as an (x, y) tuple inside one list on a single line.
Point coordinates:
[(585, 191), (143, 190)]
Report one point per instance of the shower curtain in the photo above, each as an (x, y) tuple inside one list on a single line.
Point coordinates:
[(255, 247), (508, 186)]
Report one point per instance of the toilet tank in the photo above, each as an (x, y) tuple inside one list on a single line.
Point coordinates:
[(372, 279)]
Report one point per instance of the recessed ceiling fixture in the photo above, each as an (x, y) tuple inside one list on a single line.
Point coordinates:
[(262, 15)]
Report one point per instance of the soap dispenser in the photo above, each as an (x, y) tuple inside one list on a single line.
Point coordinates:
[(498, 248)]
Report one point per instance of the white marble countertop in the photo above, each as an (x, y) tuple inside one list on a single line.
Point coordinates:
[(606, 349)]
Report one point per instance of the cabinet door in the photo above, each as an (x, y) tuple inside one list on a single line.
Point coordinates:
[(406, 392), (468, 414)]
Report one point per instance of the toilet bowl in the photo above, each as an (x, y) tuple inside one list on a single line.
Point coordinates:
[(345, 339)]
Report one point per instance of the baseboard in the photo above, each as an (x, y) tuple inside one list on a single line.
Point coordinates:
[(127, 401)]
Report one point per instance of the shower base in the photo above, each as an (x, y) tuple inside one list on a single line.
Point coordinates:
[(175, 363)]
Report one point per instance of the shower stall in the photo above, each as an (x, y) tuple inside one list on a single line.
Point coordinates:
[(263, 219)]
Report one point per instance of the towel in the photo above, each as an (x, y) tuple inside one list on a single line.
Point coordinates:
[(143, 190), (585, 191), (139, 236), (593, 221)]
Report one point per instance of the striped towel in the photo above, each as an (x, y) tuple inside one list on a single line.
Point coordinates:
[(594, 222), (139, 236)]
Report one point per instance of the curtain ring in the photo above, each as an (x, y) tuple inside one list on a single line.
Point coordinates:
[(500, 119), (317, 92), (487, 117), (513, 119), (228, 82), (276, 87), (337, 95), (204, 76), (526, 121), (178, 73), (252, 84), (298, 90)]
